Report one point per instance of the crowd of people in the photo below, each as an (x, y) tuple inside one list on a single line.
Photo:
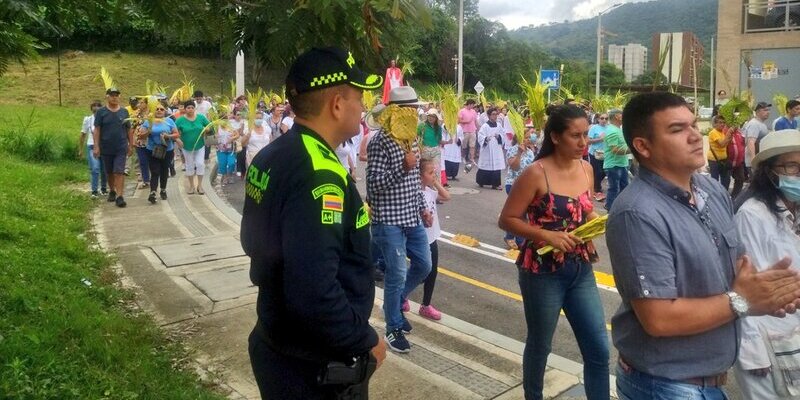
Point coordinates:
[(707, 275), (161, 132)]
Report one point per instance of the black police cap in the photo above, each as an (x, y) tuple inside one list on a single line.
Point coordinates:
[(320, 68)]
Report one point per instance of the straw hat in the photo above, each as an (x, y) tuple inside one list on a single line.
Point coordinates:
[(372, 114), (777, 143)]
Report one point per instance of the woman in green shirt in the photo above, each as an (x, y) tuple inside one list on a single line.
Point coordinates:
[(430, 137), (191, 125)]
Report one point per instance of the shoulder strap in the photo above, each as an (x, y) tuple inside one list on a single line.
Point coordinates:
[(546, 181), (585, 174)]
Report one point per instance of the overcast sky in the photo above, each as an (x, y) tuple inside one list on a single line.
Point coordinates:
[(516, 13)]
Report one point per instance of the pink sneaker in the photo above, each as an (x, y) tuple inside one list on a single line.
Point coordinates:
[(430, 312), (405, 306)]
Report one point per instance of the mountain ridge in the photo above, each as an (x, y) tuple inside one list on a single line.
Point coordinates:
[(630, 23)]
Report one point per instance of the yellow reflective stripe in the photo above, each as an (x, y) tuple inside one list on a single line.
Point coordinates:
[(326, 79), (321, 157)]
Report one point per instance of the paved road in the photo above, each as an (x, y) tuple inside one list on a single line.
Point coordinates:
[(480, 285)]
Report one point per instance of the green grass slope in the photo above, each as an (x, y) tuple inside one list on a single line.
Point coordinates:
[(36, 82)]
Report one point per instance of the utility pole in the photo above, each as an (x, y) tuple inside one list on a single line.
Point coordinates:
[(713, 86), (600, 47), (460, 48)]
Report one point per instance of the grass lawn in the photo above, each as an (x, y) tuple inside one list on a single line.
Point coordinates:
[(37, 81), (60, 337)]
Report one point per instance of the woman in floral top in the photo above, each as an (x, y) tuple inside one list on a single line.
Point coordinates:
[(555, 194), (518, 157)]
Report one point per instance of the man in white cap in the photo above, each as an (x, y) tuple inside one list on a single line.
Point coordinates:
[(398, 210)]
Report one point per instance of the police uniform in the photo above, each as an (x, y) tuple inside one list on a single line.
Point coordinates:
[(306, 231)]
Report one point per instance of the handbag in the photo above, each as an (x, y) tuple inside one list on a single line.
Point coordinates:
[(159, 151), (210, 139)]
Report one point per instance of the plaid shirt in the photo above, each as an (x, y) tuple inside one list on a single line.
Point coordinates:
[(395, 196)]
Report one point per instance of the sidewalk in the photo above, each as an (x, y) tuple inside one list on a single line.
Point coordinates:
[(184, 259)]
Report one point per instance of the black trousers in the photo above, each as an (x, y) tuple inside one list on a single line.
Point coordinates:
[(599, 173), (287, 378), (241, 163), (430, 281), (159, 170)]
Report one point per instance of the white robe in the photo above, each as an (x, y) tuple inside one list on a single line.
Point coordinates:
[(491, 154), (452, 151)]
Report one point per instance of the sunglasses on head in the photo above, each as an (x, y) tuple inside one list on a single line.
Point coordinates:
[(603, 118), (161, 109)]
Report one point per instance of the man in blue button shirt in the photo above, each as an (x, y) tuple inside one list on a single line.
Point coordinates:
[(676, 258)]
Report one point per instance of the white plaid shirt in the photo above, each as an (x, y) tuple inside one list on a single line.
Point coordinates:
[(395, 196)]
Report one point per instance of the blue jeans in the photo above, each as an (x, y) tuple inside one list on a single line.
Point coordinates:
[(573, 289), (96, 172), (635, 385), (226, 162), (144, 163), (617, 182), (400, 278)]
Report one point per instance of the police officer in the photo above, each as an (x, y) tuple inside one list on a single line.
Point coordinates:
[(306, 231)]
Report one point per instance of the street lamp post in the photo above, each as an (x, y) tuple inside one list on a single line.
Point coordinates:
[(460, 77), (600, 48), (455, 69)]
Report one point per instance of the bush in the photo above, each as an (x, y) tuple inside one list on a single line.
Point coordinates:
[(44, 148), (38, 135)]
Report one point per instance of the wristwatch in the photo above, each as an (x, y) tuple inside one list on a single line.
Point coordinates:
[(738, 304)]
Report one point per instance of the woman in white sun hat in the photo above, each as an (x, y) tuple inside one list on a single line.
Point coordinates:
[(768, 366)]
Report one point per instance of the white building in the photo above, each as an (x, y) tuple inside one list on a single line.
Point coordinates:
[(631, 58)]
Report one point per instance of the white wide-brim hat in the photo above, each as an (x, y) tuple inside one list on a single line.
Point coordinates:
[(404, 96), (372, 114), (777, 143)]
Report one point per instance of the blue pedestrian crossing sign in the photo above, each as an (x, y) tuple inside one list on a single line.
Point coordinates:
[(551, 78)]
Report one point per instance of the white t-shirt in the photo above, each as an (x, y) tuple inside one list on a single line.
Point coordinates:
[(203, 107), (288, 121), (258, 141), (435, 231), (343, 151), (88, 129)]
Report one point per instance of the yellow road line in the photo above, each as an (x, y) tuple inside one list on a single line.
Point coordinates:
[(491, 288), (603, 278), (482, 285)]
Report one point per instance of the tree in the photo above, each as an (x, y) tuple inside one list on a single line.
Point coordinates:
[(279, 30), (610, 75)]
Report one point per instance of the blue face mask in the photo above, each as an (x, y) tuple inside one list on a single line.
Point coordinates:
[(259, 122), (790, 187)]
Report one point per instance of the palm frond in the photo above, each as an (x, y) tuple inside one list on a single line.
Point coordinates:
[(108, 82)]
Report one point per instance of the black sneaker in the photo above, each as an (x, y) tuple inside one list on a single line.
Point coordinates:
[(112, 196), (104, 192), (163, 195), (397, 342), (406, 326), (121, 202), (95, 194), (152, 197)]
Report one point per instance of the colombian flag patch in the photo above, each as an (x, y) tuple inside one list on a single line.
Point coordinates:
[(332, 202)]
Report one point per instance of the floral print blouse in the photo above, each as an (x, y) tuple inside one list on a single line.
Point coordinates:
[(556, 212)]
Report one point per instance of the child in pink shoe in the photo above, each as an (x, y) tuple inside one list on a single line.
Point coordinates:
[(433, 191)]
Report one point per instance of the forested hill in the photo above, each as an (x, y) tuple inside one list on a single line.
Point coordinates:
[(631, 22)]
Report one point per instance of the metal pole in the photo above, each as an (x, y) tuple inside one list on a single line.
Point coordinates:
[(599, 50), (460, 48), (713, 87), (455, 70)]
